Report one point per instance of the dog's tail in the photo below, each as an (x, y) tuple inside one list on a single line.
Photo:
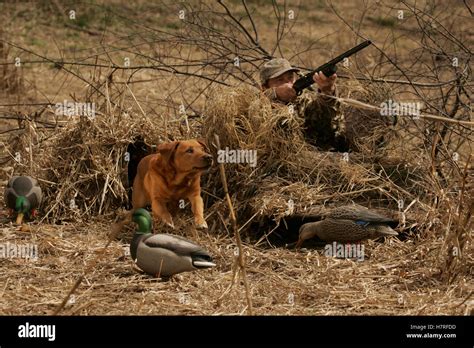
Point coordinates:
[(118, 226)]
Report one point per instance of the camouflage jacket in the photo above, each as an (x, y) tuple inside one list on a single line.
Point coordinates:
[(323, 119)]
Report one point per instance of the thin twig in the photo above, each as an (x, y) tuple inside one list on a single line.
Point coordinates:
[(357, 103), (89, 268), (233, 220)]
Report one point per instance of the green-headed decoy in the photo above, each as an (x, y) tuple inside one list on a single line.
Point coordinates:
[(23, 195), (164, 254), (347, 224)]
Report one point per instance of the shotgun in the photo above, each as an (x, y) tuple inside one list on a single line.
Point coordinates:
[(328, 68)]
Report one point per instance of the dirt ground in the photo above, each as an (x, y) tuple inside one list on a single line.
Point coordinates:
[(395, 278)]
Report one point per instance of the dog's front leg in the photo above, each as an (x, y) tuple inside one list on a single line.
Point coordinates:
[(160, 212), (197, 206)]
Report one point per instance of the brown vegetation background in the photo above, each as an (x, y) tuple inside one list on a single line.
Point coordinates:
[(172, 70)]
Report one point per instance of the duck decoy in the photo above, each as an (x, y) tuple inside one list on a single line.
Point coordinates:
[(164, 254), (23, 195), (347, 224)]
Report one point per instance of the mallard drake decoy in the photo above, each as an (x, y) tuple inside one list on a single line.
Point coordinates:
[(23, 195), (348, 224), (164, 254)]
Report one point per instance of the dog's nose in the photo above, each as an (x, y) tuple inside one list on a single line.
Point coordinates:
[(207, 158)]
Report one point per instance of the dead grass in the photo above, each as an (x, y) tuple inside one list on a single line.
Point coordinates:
[(397, 277)]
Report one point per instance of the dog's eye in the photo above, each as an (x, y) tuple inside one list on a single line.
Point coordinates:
[(189, 150)]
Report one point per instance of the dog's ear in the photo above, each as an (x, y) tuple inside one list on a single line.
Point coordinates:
[(167, 150), (202, 141)]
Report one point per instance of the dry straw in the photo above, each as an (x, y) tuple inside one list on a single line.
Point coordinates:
[(288, 168), (84, 159)]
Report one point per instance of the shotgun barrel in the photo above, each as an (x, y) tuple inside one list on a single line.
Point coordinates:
[(328, 68)]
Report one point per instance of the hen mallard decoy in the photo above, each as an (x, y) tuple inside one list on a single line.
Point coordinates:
[(23, 195), (164, 254), (348, 224)]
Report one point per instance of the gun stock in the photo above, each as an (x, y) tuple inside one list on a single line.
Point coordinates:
[(328, 68)]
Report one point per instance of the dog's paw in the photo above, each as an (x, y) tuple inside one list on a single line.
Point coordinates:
[(170, 224), (202, 225)]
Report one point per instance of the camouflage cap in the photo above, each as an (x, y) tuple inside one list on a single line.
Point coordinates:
[(274, 68)]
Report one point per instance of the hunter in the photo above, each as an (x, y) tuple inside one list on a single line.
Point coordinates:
[(324, 123)]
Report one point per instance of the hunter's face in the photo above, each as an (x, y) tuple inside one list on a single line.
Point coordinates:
[(288, 77)]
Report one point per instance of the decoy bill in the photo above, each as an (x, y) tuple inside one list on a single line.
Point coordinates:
[(23, 195), (164, 254), (348, 224)]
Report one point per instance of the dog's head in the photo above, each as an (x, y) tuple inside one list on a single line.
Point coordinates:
[(186, 155)]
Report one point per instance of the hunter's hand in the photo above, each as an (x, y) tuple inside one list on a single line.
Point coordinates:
[(327, 85), (285, 92)]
